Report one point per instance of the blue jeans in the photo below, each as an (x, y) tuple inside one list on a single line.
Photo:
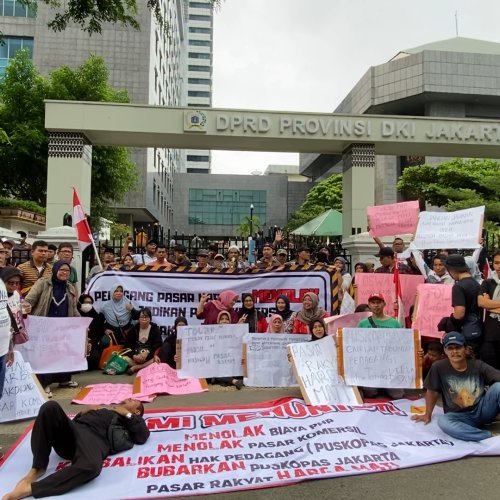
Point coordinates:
[(466, 425), (3, 363)]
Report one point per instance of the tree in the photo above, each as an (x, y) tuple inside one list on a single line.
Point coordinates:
[(249, 226), (24, 160), (326, 194), (455, 185)]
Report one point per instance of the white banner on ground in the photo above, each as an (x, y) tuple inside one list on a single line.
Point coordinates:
[(316, 371), (266, 359), (380, 357), (203, 451), (460, 229), (56, 345), (22, 394), (211, 350), (173, 293)]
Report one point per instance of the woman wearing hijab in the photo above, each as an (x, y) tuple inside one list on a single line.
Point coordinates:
[(166, 353), (276, 324), (283, 309), (340, 265), (256, 320), (54, 297), (85, 306), (309, 312), (317, 329), (118, 314), (208, 310)]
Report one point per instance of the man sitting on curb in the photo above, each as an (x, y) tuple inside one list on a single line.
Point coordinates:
[(461, 382)]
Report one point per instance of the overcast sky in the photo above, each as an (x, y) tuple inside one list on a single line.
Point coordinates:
[(306, 55)]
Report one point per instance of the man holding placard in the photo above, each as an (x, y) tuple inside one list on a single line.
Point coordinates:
[(462, 384)]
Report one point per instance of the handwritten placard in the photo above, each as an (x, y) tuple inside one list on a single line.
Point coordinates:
[(315, 367), (460, 229), (22, 394), (380, 357), (56, 344), (266, 359), (393, 219), (369, 283), (348, 304), (211, 350), (345, 321), (433, 304), (108, 394), (159, 378)]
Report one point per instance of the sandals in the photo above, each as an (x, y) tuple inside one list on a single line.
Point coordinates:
[(70, 384)]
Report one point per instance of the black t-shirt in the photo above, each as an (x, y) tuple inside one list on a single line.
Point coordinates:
[(464, 293), (492, 320), (461, 391)]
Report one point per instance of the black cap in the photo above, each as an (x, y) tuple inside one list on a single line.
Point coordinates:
[(303, 248), (456, 262), (179, 248), (152, 241), (22, 234), (386, 252)]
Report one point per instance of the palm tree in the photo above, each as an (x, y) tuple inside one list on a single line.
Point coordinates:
[(249, 226)]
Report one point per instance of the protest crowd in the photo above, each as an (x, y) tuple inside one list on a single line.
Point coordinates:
[(460, 360)]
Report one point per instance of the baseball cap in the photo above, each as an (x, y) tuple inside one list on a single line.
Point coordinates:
[(453, 338), (303, 248), (219, 256), (152, 241), (202, 252), (281, 251), (376, 296), (386, 252)]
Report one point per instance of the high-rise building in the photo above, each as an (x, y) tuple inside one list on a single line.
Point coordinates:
[(151, 64), (200, 63)]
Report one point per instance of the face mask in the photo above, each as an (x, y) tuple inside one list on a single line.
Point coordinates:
[(86, 308)]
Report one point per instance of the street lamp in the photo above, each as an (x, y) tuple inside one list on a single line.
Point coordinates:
[(251, 219)]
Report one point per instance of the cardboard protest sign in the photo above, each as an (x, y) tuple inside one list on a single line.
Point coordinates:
[(348, 304), (315, 367), (369, 283), (345, 321), (433, 304), (108, 394), (460, 229), (159, 378), (266, 359), (380, 357), (56, 345), (22, 394), (210, 350), (393, 219)]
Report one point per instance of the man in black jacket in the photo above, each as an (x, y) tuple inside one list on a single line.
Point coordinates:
[(83, 440)]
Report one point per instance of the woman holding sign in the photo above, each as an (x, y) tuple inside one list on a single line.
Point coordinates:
[(208, 310), (310, 311), (256, 320)]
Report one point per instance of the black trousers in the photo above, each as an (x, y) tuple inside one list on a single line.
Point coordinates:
[(71, 441), (490, 353)]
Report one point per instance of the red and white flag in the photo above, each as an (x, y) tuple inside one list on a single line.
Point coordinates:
[(399, 308), (81, 224)]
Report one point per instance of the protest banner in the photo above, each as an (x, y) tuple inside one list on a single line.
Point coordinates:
[(22, 394), (266, 359), (315, 368), (159, 378), (460, 229), (177, 293), (211, 350), (393, 219), (225, 449), (345, 321), (380, 357), (108, 394), (433, 304), (56, 345), (348, 304), (369, 283)]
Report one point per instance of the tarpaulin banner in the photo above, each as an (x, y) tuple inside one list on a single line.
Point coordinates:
[(203, 451)]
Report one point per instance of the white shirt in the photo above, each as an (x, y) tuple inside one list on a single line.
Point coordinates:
[(5, 332), (140, 259)]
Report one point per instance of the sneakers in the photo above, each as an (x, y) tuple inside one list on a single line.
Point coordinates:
[(71, 383)]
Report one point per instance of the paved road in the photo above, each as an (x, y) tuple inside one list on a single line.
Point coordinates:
[(470, 478)]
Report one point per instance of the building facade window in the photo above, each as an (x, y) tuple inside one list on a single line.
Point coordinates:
[(200, 5), (197, 17), (198, 158), (198, 93), (204, 31), (198, 55), (200, 43), (199, 81), (10, 47), (205, 69), (14, 8), (226, 206)]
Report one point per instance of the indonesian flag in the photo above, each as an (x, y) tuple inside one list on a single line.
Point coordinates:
[(81, 224), (486, 270), (399, 308)]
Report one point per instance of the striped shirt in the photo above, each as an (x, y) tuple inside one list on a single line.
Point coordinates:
[(30, 274)]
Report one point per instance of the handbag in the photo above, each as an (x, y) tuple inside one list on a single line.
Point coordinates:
[(20, 335), (108, 351), (117, 364), (472, 327), (118, 437)]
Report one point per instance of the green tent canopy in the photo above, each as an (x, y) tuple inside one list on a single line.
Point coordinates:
[(329, 223)]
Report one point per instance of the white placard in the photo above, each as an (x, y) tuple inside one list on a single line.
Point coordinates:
[(266, 359), (315, 366), (22, 395), (211, 350), (56, 345), (460, 229), (379, 357)]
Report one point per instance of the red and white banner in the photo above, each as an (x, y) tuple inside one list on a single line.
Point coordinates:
[(203, 451), (80, 223)]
